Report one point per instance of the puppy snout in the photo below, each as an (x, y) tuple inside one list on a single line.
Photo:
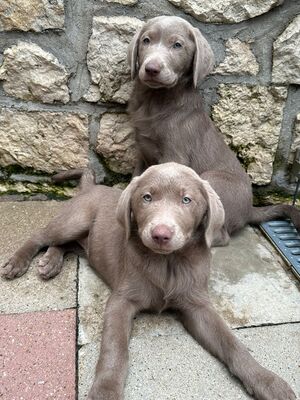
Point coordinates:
[(161, 234), (152, 68)]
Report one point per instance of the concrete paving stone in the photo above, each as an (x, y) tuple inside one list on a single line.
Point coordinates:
[(166, 363), (175, 367), (38, 356), (87, 358), (30, 293), (249, 284), (92, 297)]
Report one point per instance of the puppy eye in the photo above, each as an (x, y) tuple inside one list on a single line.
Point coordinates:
[(147, 197), (146, 40), (186, 200), (177, 45)]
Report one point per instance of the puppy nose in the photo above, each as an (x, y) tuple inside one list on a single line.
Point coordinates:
[(152, 68), (161, 234)]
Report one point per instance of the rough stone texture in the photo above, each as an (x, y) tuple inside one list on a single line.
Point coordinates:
[(123, 2), (116, 142), (38, 355), (250, 118), (31, 15), (239, 59), (18, 221), (107, 56), (35, 188), (45, 141), (225, 11), (92, 94), (286, 55), (30, 73), (296, 139)]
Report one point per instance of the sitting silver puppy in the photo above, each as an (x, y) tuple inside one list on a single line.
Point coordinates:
[(168, 58), (151, 245)]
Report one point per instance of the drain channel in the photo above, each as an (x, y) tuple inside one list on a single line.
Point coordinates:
[(285, 237)]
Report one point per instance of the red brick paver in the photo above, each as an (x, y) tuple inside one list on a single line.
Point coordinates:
[(38, 355)]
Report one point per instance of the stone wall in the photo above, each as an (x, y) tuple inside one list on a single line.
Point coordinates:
[(64, 84)]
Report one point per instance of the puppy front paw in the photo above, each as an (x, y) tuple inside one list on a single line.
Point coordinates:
[(15, 267), (103, 393), (270, 386)]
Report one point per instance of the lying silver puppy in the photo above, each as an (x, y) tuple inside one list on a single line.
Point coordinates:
[(151, 245), (168, 58)]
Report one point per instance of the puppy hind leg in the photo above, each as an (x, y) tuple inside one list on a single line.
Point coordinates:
[(222, 239)]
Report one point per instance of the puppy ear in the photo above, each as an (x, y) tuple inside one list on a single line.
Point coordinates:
[(203, 58), (124, 207), (216, 213), (132, 54)]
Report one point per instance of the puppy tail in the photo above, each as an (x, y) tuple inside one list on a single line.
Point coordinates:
[(87, 177), (67, 175), (263, 214)]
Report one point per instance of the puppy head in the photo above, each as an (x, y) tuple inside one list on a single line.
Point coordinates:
[(168, 203), (167, 48)]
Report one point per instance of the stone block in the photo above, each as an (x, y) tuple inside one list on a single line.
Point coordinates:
[(31, 15), (250, 119), (44, 141), (296, 139), (116, 142), (286, 55), (30, 73), (225, 11), (239, 59), (107, 56)]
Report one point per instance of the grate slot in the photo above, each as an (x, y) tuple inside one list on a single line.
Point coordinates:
[(285, 237), (279, 223), (286, 229), (288, 236), (296, 252)]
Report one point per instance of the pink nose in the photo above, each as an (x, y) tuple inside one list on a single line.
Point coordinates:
[(161, 234), (152, 68)]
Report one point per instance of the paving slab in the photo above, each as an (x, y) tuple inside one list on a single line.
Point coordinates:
[(38, 356), (30, 293), (249, 286), (175, 367)]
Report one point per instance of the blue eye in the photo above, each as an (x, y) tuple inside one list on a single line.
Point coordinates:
[(177, 45), (146, 40), (186, 200), (147, 197)]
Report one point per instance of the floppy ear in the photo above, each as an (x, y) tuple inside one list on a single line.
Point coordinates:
[(216, 213), (132, 54), (124, 207), (203, 57)]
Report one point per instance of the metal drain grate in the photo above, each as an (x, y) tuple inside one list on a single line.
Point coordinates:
[(285, 237), (282, 233)]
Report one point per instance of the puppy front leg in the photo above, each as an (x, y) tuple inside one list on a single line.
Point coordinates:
[(140, 167), (210, 330), (111, 370)]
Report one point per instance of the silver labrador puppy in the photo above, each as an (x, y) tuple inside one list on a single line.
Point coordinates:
[(151, 245), (168, 59)]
